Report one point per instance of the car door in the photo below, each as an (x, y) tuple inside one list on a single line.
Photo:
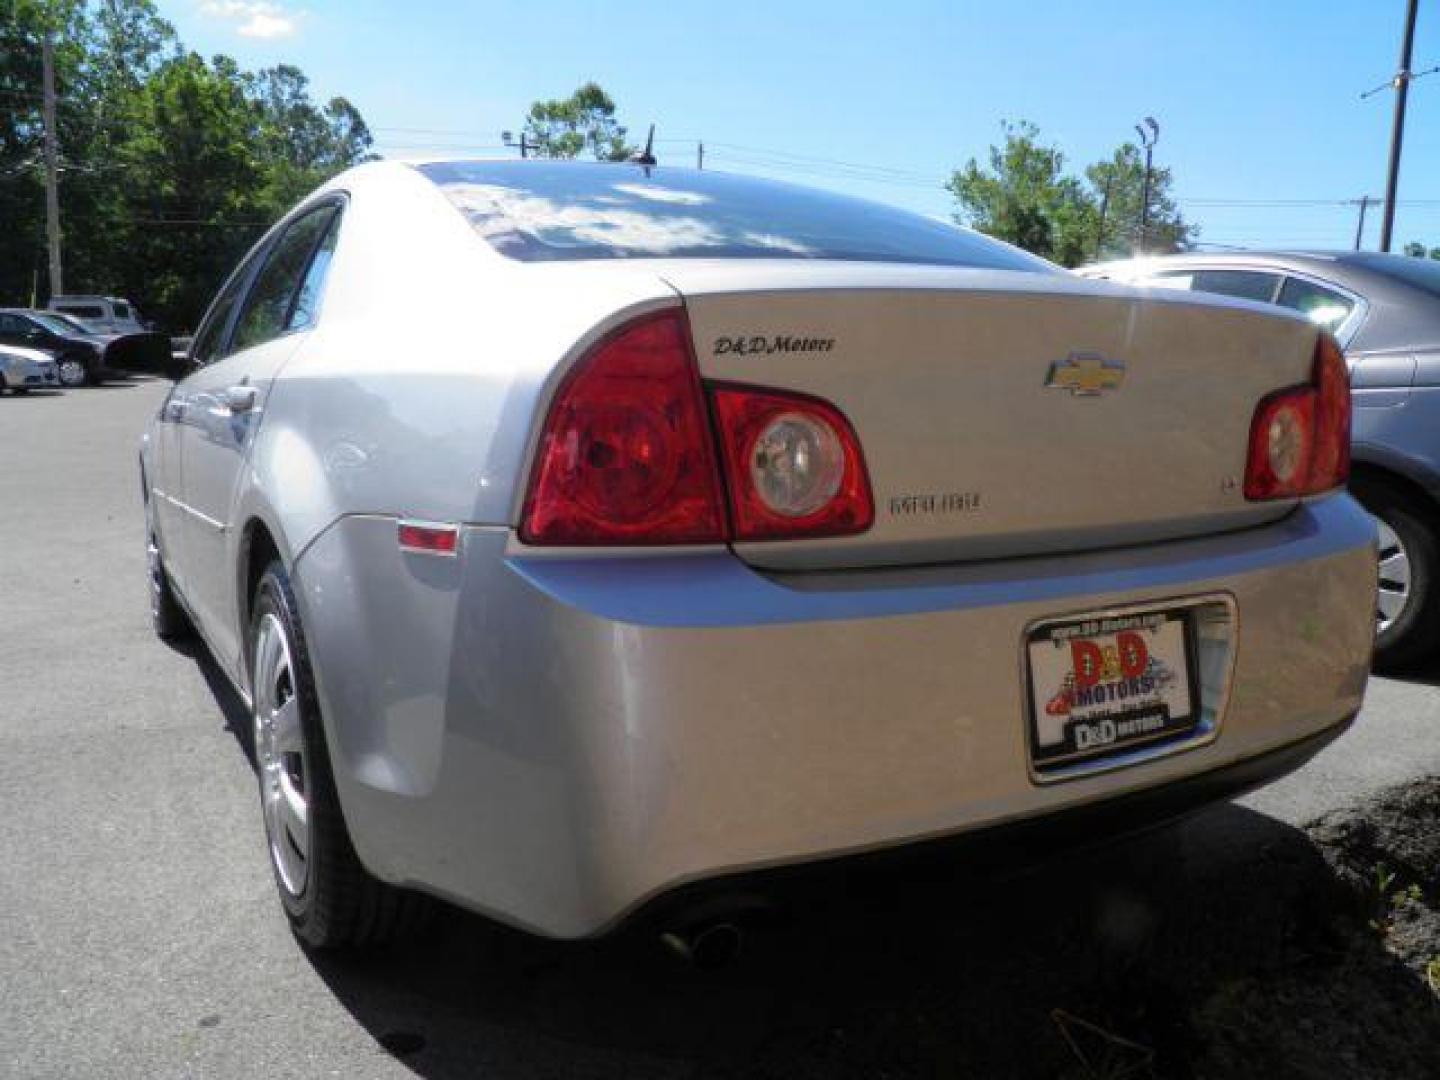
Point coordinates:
[(169, 511), (224, 403)]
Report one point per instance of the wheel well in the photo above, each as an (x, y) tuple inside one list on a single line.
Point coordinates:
[(257, 551), (1363, 472)]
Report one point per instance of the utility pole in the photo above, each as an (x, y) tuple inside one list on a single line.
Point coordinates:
[(508, 138), (1149, 135), (1364, 203), (699, 155), (1397, 132), (52, 167)]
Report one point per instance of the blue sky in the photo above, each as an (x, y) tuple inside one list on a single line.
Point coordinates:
[(1258, 101)]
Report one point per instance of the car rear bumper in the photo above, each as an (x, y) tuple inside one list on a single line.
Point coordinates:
[(989, 850), (557, 741)]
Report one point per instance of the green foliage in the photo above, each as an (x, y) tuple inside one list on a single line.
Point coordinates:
[(585, 121), (172, 165), (1119, 185), (1025, 197)]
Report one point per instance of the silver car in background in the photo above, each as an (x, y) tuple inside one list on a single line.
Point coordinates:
[(1384, 310), (725, 525), (23, 370)]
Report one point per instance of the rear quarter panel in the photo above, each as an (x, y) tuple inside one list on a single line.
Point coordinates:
[(396, 405)]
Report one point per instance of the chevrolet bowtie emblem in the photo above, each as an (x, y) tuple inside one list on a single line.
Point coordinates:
[(1085, 374)]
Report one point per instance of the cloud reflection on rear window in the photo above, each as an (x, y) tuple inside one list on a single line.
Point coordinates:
[(539, 211)]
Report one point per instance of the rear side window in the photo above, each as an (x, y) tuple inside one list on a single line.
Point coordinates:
[(308, 301), (271, 303), (542, 211), (1241, 284), (1324, 307), (205, 349), (122, 311), (82, 311)]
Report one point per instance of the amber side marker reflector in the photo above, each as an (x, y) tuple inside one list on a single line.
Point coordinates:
[(428, 538)]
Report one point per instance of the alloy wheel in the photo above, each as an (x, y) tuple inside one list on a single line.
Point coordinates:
[(1394, 593), (71, 372), (280, 756)]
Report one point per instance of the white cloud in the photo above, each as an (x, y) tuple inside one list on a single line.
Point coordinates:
[(664, 195), (262, 19)]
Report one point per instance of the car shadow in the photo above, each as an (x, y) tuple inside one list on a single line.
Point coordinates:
[(232, 708), (1223, 945), (1426, 673)]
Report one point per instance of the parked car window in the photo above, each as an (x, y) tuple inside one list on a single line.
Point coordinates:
[(1242, 284), (571, 211), (268, 307), (82, 311), (56, 324), (121, 311), (12, 324), (1323, 306), (310, 289)]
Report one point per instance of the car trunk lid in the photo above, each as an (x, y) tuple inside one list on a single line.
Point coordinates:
[(1005, 414)]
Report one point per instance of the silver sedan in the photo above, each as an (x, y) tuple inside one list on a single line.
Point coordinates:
[(23, 370), (580, 532)]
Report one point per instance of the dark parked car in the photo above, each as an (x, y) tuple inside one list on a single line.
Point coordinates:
[(79, 355), (1385, 311)]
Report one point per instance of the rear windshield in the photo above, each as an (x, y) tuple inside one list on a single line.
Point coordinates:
[(538, 211), (1423, 274), (58, 323)]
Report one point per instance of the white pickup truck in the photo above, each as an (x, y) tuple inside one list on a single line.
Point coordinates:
[(100, 314)]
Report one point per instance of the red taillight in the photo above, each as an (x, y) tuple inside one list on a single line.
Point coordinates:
[(1300, 437), (792, 465), (625, 456)]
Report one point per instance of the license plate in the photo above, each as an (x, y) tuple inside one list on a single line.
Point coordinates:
[(1107, 684)]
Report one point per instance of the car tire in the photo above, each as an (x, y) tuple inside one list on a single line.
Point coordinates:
[(167, 617), (329, 898), (72, 372), (1408, 604)]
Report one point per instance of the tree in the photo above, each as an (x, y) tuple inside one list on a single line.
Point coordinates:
[(1118, 185), (172, 165), (1417, 250), (585, 121), (1025, 197)]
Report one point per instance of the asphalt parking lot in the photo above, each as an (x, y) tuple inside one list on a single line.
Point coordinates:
[(139, 935)]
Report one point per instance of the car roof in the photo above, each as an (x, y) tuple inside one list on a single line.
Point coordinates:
[(1299, 260)]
